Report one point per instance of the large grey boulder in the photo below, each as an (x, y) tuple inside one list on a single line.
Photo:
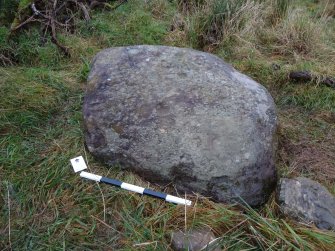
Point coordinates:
[(307, 201), (182, 116)]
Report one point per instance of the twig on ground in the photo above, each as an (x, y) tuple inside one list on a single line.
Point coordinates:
[(105, 224), (9, 223), (5, 60), (85, 11), (54, 38), (51, 15), (146, 244), (29, 20), (97, 3)]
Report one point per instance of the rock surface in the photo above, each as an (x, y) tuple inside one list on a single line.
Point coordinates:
[(307, 201), (182, 116), (194, 240)]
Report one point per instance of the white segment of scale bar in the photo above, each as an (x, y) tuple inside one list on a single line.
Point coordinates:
[(177, 200), (90, 176), (132, 188)]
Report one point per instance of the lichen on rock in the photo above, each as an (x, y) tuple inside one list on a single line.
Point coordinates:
[(183, 116)]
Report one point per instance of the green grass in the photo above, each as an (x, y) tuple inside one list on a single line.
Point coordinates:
[(7, 11), (130, 24), (310, 97), (32, 96), (49, 208)]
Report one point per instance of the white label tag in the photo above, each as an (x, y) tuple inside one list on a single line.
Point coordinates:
[(78, 164)]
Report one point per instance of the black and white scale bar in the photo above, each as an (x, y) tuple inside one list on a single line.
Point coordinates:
[(136, 189)]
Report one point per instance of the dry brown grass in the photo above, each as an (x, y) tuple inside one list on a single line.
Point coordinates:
[(159, 8), (307, 145), (270, 27), (298, 34), (315, 161), (177, 35), (328, 8)]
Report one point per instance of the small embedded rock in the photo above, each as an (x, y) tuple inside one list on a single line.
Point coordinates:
[(194, 240), (307, 201)]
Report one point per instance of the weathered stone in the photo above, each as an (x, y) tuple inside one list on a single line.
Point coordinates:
[(182, 116), (307, 201), (194, 240)]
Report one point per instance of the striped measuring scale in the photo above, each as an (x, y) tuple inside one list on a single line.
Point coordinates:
[(79, 165)]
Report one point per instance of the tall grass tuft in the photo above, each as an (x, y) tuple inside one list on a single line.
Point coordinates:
[(6, 50), (268, 27), (279, 10), (187, 6), (328, 8), (298, 34), (218, 20)]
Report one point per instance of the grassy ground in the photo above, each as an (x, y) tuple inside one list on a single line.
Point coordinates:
[(44, 206)]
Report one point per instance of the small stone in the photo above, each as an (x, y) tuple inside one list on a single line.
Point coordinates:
[(307, 201), (194, 240), (275, 66)]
